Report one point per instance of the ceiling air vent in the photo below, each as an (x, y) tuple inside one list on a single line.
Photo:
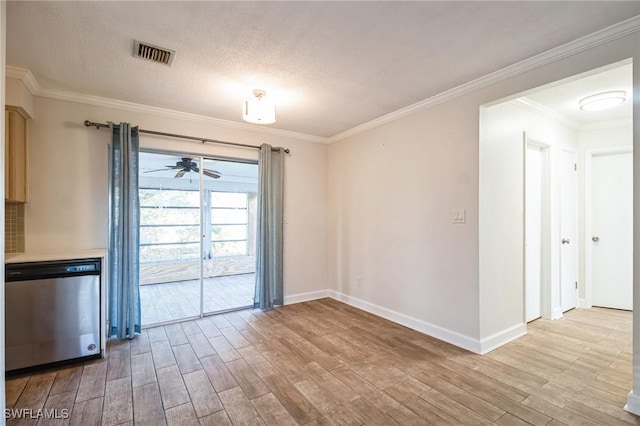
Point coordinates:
[(153, 53)]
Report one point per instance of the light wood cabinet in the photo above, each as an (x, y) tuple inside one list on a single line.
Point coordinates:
[(16, 145)]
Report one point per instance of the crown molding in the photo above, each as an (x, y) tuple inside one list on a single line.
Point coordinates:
[(62, 95), (169, 113), (608, 124), (26, 76), (15, 72), (536, 108), (597, 38)]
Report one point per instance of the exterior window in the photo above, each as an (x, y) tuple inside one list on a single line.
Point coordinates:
[(229, 224), (170, 225)]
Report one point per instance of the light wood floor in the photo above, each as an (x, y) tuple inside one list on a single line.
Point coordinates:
[(324, 362)]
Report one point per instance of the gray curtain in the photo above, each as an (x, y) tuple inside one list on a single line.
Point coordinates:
[(269, 229), (124, 238)]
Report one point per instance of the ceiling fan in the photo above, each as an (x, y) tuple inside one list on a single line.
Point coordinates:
[(187, 165)]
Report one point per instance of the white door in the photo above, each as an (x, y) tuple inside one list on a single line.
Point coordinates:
[(533, 233), (612, 230), (568, 230)]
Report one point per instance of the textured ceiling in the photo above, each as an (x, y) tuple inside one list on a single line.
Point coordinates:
[(329, 65)]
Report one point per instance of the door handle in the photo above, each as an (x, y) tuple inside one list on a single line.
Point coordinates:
[(566, 241), (595, 239)]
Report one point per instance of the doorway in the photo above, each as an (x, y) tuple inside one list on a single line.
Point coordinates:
[(609, 232), (568, 229), (553, 114), (536, 227), (197, 235), (543, 248)]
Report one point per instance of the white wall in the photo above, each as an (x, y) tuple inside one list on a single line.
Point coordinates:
[(68, 182), (633, 400), (391, 191), (391, 194), (605, 135)]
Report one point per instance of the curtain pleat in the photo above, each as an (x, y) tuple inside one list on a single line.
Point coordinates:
[(269, 251), (124, 238)]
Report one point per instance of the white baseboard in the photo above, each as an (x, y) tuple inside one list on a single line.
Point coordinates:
[(582, 303), (305, 297), (477, 346), (500, 338), (633, 404), (438, 332), (557, 312)]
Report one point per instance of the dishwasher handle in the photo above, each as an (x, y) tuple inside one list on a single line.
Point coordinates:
[(57, 269)]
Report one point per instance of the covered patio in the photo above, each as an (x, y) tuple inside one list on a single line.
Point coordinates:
[(171, 301)]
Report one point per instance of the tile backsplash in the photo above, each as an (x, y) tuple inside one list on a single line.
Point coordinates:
[(13, 228)]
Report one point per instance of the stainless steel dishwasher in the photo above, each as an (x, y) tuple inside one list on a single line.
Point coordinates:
[(52, 312)]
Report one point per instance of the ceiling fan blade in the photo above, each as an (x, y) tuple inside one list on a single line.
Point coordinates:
[(179, 174), (157, 170), (211, 173), (175, 167)]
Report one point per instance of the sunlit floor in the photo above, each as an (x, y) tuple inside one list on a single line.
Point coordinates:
[(173, 301)]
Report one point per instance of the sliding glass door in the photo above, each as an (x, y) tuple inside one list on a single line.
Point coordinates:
[(196, 236), (229, 255)]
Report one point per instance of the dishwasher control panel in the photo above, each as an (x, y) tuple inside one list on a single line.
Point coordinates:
[(60, 269), (83, 268)]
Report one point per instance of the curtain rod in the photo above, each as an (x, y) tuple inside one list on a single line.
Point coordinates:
[(88, 123)]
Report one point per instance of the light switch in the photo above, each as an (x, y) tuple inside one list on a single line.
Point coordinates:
[(459, 216)]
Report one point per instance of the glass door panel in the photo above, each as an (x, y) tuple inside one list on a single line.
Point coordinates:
[(197, 236), (170, 237), (229, 235)]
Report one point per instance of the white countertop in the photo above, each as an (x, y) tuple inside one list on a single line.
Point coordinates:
[(48, 256)]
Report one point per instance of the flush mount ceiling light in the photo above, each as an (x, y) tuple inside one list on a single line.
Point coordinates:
[(603, 100), (259, 109)]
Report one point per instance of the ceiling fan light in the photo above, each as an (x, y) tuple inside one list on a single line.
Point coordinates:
[(604, 100), (259, 109)]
